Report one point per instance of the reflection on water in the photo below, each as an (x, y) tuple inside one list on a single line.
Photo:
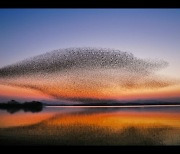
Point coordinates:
[(93, 126)]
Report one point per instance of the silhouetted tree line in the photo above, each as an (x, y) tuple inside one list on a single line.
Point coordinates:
[(14, 106)]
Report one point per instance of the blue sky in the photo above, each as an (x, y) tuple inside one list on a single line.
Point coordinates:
[(147, 33)]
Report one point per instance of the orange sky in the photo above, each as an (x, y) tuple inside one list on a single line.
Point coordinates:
[(16, 92), (111, 93)]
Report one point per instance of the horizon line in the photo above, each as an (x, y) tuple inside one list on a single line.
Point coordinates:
[(123, 106)]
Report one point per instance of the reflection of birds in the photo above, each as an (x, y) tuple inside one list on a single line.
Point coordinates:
[(84, 72)]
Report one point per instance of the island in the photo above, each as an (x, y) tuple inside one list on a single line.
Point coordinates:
[(14, 106)]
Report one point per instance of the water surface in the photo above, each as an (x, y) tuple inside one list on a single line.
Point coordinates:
[(135, 125)]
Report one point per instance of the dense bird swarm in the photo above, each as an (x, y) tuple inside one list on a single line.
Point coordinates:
[(84, 71)]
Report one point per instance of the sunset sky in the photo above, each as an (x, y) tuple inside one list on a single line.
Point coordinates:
[(146, 33)]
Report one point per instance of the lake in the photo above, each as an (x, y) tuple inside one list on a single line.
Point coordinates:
[(57, 125)]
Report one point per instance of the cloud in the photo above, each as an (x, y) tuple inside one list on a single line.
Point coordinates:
[(85, 72)]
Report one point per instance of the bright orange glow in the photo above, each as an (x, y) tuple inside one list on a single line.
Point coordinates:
[(119, 120), (113, 120)]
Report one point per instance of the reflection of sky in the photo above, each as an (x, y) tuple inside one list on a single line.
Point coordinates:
[(112, 117), (152, 33)]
